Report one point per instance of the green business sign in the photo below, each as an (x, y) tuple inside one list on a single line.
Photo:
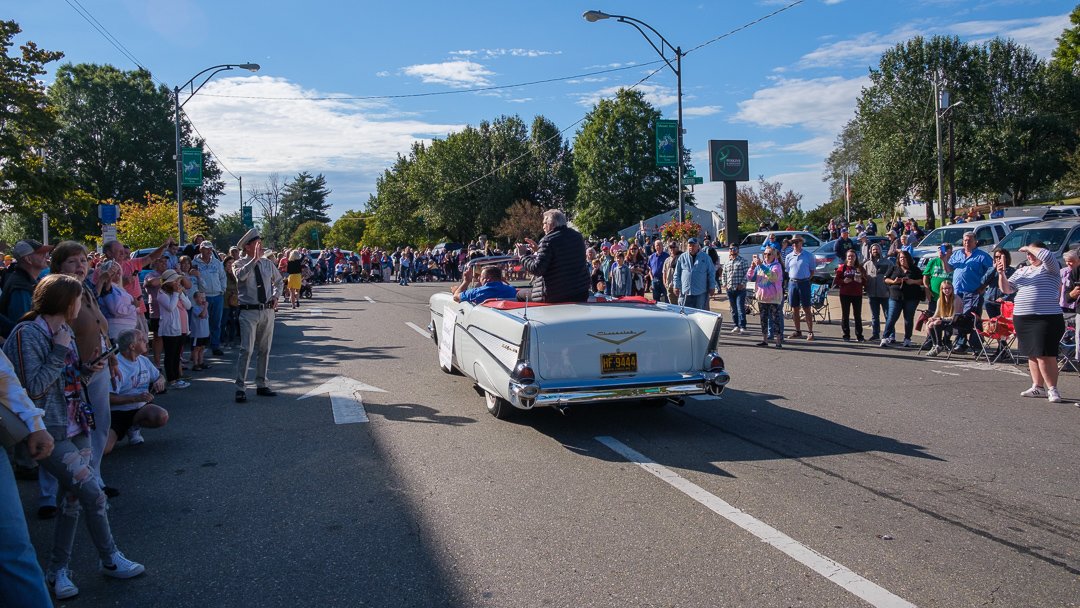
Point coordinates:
[(728, 160), (192, 161), (245, 213), (667, 143)]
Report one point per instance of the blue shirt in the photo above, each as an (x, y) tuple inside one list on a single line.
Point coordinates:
[(695, 276), (800, 265), (968, 271), (494, 290), (656, 264)]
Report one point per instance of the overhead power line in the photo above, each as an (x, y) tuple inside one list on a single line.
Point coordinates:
[(101, 29), (745, 25)]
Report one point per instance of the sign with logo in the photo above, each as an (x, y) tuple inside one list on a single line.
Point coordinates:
[(729, 160), (667, 143), (245, 216), (107, 214), (191, 161)]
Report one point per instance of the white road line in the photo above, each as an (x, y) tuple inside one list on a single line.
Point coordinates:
[(938, 371), (419, 330), (831, 570), (368, 298)]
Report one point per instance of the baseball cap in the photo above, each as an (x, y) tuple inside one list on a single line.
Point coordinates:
[(691, 241), (206, 245), (29, 247)]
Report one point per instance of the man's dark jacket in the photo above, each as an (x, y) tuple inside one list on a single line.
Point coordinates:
[(14, 302), (560, 273)]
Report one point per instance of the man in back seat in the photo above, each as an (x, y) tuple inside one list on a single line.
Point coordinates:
[(492, 287)]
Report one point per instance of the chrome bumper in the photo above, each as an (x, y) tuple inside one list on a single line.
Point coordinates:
[(528, 396)]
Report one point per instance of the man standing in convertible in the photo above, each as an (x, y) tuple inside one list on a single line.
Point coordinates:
[(560, 273)]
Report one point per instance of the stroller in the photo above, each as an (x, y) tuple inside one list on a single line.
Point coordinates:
[(306, 282)]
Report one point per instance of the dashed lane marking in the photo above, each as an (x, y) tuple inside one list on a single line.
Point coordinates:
[(368, 298), (419, 330), (833, 571)]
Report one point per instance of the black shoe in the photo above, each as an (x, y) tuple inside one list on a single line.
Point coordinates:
[(263, 391), (847, 338), (46, 512), (26, 473), (241, 396), (218, 352), (762, 343), (110, 492), (860, 339)]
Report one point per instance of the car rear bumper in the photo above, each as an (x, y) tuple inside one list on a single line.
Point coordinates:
[(528, 396)]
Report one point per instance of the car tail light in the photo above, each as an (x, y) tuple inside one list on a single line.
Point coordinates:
[(714, 362), (523, 373)]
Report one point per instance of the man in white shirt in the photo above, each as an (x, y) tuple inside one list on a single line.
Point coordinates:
[(134, 390)]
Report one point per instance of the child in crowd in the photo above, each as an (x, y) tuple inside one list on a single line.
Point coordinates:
[(200, 331)]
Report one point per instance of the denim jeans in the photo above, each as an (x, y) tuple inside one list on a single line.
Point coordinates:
[(98, 389), (659, 294), (216, 304), (896, 307), (737, 300), (21, 580), (699, 301), (70, 463), (877, 307)]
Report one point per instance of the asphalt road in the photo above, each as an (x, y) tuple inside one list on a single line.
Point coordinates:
[(830, 474)]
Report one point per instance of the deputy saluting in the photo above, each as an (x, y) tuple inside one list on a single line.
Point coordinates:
[(259, 285)]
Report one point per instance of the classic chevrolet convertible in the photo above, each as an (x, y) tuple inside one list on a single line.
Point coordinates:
[(526, 355)]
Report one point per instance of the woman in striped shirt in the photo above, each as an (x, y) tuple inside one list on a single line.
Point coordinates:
[(1037, 316)]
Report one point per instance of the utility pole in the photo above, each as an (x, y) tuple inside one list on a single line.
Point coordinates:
[(952, 172), (937, 130)]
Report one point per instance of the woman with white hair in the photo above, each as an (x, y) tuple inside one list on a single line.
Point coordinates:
[(116, 303)]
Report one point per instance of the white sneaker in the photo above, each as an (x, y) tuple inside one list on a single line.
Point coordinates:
[(135, 436), (179, 384), (1035, 391), (121, 567), (907, 343), (933, 352), (735, 330), (884, 342), (60, 584), (1052, 395)]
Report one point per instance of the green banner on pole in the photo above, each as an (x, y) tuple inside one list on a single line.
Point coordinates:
[(192, 163), (245, 213), (667, 142)]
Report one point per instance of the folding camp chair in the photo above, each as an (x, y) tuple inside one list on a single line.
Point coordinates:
[(1067, 356), (1001, 333), (819, 301)]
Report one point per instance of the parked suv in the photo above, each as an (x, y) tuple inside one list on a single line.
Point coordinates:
[(751, 243), (1058, 235)]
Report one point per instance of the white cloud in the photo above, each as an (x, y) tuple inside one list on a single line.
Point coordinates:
[(254, 137), (701, 111), (807, 183), (822, 105), (458, 74), (492, 53), (1038, 33), (658, 96), (819, 146), (864, 48), (382, 74)]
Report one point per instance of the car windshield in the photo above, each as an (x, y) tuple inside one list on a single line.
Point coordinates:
[(953, 236), (1051, 237)]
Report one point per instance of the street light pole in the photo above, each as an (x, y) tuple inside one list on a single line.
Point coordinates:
[(190, 84), (594, 16)]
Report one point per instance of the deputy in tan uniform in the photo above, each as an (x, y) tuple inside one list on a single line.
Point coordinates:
[(259, 286)]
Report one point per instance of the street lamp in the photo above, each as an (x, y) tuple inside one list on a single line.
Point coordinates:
[(594, 16), (190, 84)]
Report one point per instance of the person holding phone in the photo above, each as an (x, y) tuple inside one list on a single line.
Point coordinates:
[(45, 357), (92, 338), (768, 277)]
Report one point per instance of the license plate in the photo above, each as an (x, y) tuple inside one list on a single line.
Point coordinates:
[(616, 363)]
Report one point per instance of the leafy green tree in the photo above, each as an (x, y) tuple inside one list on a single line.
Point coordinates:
[(551, 166), (29, 180), (1066, 56), (304, 199), (395, 214), (152, 219), (228, 228), (615, 161), (302, 236), (117, 137), (348, 231)]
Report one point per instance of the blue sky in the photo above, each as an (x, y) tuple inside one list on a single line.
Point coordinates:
[(787, 84)]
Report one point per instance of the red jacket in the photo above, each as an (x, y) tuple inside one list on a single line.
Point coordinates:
[(852, 287)]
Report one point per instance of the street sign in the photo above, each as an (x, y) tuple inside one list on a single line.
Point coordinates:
[(691, 172), (192, 161), (693, 181), (107, 214), (245, 216), (667, 143)]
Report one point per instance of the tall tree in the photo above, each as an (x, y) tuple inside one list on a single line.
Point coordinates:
[(767, 202), (304, 199), (348, 231), (1066, 56), (228, 229), (28, 177), (117, 136), (523, 220), (551, 166), (152, 219), (311, 234), (615, 161)]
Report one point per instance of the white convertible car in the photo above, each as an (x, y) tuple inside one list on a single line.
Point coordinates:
[(527, 355)]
